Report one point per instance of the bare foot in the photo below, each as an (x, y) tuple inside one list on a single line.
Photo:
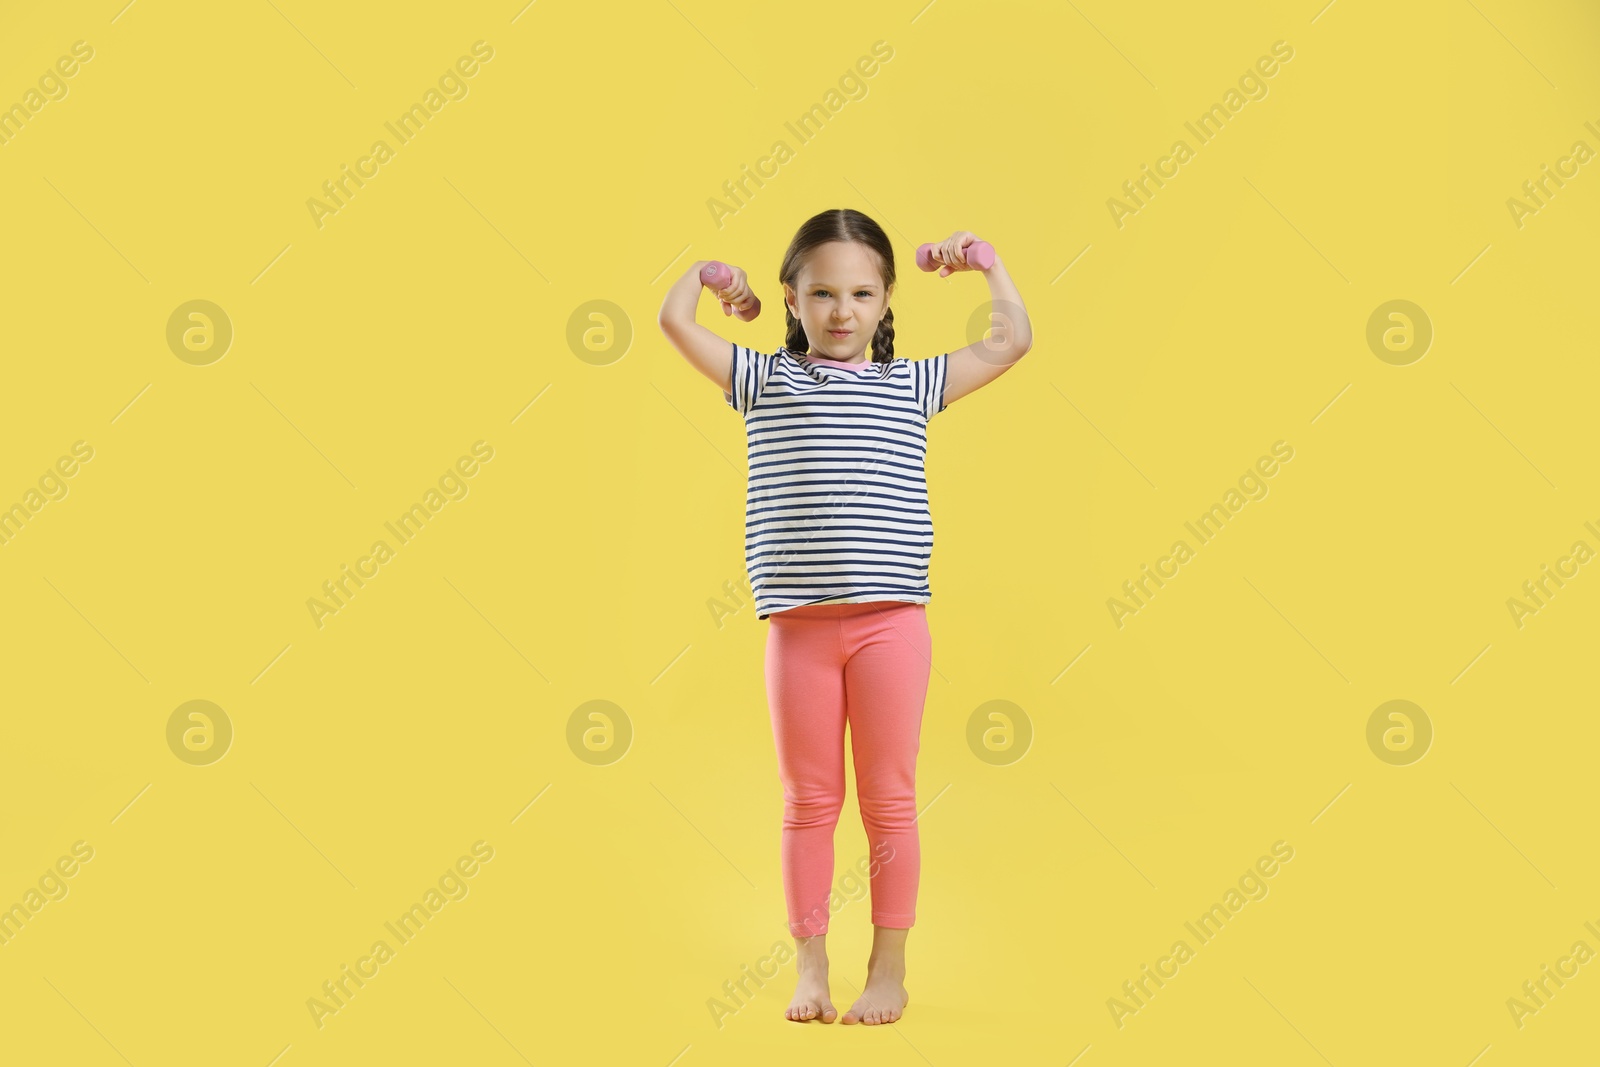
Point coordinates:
[(811, 1000), (882, 1001)]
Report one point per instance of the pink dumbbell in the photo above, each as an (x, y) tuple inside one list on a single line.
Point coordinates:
[(980, 254), (718, 276)]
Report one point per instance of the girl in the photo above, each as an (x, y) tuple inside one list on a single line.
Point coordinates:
[(838, 537)]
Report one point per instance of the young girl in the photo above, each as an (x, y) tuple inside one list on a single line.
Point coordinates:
[(838, 537)]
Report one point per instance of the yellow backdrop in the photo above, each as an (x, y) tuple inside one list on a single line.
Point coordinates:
[(373, 568)]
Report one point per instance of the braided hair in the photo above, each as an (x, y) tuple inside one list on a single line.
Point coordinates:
[(838, 224)]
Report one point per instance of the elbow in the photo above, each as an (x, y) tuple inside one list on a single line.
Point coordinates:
[(1022, 335)]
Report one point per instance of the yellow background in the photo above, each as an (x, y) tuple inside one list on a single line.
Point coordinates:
[(583, 564)]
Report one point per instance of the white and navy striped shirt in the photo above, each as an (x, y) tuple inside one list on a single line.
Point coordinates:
[(837, 506)]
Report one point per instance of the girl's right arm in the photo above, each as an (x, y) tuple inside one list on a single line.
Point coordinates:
[(707, 353)]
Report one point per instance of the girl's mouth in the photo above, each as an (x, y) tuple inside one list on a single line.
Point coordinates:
[(839, 333)]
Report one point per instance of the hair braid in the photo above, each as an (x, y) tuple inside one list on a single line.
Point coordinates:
[(883, 339), (794, 334)]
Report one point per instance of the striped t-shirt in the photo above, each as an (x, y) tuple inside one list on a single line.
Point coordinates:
[(837, 506)]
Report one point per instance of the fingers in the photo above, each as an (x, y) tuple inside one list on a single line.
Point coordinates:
[(733, 298), (737, 296), (952, 252)]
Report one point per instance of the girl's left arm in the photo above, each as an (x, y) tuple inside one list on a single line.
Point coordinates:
[(1010, 334)]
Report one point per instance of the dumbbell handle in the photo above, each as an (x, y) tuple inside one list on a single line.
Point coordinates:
[(980, 254), (718, 276)]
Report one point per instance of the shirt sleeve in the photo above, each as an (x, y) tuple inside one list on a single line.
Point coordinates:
[(747, 377), (927, 379)]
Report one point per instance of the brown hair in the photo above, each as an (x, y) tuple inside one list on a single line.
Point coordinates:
[(838, 224)]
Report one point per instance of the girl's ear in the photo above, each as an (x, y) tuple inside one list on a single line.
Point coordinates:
[(789, 299)]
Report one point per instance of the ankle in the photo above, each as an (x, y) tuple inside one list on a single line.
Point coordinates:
[(811, 961), (887, 966)]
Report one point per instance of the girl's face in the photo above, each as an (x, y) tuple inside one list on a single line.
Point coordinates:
[(840, 300)]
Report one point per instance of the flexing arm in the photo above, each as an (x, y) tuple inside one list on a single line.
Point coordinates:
[(706, 352), (978, 364)]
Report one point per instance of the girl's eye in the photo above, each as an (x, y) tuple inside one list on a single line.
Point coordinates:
[(864, 292)]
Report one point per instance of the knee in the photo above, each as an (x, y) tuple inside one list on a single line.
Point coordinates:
[(812, 808), (889, 812)]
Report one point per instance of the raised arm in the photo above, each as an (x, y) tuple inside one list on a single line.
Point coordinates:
[(706, 352), (978, 364)]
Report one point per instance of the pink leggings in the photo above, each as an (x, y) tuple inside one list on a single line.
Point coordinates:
[(868, 663)]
